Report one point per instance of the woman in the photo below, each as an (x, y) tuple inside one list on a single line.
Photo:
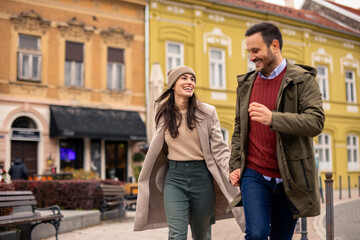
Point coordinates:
[(186, 154)]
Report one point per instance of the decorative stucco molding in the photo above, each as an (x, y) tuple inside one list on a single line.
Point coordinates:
[(349, 62), (30, 21), (217, 37), (76, 29), (322, 57), (116, 35)]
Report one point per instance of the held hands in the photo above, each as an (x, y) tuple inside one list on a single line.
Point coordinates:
[(235, 177), (260, 113)]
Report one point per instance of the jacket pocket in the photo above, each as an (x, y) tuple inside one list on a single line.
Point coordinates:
[(302, 172)]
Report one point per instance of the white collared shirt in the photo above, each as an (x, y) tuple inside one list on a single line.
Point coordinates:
[(276, 71)]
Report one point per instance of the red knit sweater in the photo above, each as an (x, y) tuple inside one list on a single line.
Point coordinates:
[(262, 141)]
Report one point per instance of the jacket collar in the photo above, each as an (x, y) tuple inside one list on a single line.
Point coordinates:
[(294, 73)]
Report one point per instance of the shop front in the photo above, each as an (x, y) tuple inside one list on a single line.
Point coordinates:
[(100, 140)]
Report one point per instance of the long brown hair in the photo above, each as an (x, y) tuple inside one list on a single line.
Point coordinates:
[(171, 113)]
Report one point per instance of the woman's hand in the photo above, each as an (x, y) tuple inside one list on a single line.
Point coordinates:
[(235, 177)]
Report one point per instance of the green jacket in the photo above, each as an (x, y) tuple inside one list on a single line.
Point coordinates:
[(299, 116)]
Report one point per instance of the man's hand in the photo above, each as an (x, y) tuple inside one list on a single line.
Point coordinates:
[(235, 177), (260, 113)]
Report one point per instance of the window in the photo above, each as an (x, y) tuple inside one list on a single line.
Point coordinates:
[(353, 152), (217, 68), (29, 58), (250, 65), (74, 66), (174, 55), (323, 81), (324, 148), (115, 69), (71, 153), (350, 87), (225, 134)]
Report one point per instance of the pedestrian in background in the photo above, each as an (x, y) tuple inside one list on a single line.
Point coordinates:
[(184, 178), (278, 112), (18, 170)]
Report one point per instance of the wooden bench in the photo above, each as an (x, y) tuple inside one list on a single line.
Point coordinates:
[(26, 199), (115, 196)]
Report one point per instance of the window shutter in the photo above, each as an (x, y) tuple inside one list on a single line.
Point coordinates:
[(74, 51), (115, 55)]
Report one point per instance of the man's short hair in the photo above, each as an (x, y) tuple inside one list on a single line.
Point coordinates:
[(268, 31)]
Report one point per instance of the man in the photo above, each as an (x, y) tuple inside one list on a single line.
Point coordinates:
[(278, 112), (18, 170)]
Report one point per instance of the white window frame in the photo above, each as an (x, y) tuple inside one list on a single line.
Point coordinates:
[(250, 65), (225, 133), (323, 81), (113, 76), (352, 152), (31, 53), (73, 81), (214, 75), (173, 57), (324, 151), (350, 87)]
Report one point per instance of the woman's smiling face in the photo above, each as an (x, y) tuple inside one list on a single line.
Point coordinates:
[(185, 86)]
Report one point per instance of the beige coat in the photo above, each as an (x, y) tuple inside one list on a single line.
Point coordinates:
[(150, 211)]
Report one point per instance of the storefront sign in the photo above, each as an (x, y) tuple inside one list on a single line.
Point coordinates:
[(26, 135)]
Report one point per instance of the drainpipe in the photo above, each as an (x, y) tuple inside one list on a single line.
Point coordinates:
[(147, 40)]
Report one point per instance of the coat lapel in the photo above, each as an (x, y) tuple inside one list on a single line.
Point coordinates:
[(203, 133)]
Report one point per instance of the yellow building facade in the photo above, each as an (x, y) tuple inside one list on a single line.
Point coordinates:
[(209, 36), (71, 79)]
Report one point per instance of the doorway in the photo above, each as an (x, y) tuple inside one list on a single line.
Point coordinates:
[(116, 160), (27, 152)]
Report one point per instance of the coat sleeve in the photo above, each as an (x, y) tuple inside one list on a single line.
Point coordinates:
[(309, 118), (219, 148), (235, 159)]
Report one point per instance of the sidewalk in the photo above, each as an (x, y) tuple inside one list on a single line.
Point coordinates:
[(315, 225), (222, 230)]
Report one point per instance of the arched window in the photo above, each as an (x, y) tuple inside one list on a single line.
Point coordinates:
[(24, 122), (324, 148), (353, 152)]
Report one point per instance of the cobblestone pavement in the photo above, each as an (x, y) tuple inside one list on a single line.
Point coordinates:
[(228, 229)]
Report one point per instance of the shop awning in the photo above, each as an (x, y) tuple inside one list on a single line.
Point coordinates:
[(79, 122)]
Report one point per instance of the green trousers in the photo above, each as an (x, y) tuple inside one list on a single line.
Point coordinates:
[(189, 198)]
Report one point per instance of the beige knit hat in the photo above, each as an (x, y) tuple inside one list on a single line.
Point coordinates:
[(176, 72)]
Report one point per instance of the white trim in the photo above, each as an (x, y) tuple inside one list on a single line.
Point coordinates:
[(323, 81), (217, 37), (353, 148), (214, 77), (225, 133), (173, 56), (324, 148), (350, 87), (322, 57), (349, 62)]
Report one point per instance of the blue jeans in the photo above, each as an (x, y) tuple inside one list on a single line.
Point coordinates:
[(189, 195), (266, 208)]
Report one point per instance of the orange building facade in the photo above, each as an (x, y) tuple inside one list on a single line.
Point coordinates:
[(72, 91)]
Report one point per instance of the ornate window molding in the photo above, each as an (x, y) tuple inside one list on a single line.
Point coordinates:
[(75, 29), (216, 37), (322, 57), (117, 36), (349, 62), (30, 21)]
